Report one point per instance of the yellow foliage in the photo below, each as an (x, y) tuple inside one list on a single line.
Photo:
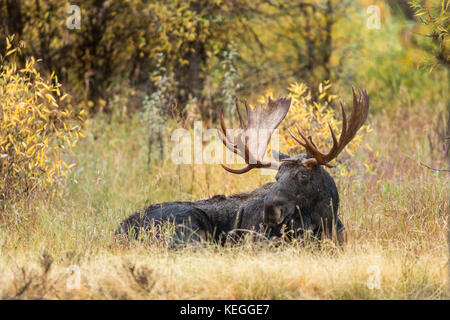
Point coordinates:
[(35, 127)]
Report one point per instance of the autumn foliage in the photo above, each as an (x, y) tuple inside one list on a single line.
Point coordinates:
[(37, 124)]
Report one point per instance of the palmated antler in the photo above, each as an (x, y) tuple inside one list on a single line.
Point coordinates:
[(252, 142), (358, 116)]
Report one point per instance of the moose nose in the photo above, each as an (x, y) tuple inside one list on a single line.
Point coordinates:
[(273, 215)]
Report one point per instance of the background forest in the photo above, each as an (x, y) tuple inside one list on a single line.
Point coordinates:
[(90, 92)]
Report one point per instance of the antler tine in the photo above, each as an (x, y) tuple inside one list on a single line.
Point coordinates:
[(247, 109), (309, 146), (246, 150), (225, 139), (241, 120), (222, 122), (344, 121), (296, 139), (333, 136)]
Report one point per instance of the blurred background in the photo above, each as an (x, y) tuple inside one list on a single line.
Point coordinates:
[(200, 54)]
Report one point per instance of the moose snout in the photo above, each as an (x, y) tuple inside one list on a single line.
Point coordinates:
[(273, 216), (274, 213)]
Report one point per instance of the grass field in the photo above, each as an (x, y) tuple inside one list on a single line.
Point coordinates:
[(396, 215)]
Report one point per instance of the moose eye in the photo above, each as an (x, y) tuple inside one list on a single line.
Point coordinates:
[(303, 176)]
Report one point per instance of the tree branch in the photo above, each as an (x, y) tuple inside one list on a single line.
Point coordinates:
[(434, 169)]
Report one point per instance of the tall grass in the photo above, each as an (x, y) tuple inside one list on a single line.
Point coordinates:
[(395, 211)]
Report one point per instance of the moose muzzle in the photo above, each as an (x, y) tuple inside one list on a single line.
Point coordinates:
[(276, 211)]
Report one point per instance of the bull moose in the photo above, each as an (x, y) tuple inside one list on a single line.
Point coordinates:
[(303, 198)]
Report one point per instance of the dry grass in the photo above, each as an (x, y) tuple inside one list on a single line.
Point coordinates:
[(396, 216), (239, 273)]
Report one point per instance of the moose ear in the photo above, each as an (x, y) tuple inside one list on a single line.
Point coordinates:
[(278, 155)]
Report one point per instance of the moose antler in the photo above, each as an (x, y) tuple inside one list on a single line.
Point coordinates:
[(358, 116), (252, 142)]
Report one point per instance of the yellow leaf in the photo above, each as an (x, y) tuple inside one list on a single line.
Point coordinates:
[(10, 52)]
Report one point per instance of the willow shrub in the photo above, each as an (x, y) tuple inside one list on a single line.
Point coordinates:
[(37, 124)]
